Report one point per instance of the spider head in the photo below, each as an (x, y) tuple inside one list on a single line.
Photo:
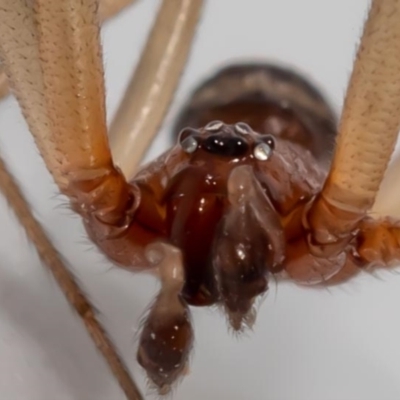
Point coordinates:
[(222, 219)]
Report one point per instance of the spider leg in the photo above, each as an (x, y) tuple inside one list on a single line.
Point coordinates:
[(107, 9), (52, 56), (379, 242), (367, 132), (377, 246), (51, 53), (153, 83), (74, 294)]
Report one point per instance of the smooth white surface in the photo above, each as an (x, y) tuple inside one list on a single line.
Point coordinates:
[(307, 344)]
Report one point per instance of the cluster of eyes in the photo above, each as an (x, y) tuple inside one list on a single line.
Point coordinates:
[(262, 151)]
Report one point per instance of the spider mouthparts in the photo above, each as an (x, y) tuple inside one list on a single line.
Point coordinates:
[(245, 251), (241, 265)]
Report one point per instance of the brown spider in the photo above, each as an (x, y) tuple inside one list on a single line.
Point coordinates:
[(125, 357)]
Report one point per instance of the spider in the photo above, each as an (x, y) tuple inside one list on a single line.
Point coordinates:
[(267, 323)]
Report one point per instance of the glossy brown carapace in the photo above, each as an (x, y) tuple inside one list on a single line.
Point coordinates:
[(227, 207)]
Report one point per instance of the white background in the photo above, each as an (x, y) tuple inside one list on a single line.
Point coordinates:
[(307, 344)]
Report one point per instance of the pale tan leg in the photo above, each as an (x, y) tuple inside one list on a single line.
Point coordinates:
[(154, 82), (368, 129), (371, 116), (50, 258), (60, 90), (109, 8)]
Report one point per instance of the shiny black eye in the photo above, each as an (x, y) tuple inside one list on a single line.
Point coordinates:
[(228, 146)]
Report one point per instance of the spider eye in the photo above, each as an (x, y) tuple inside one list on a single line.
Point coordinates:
[(187, 140), (228, 146), (214, 126), (242, 128), (269, 140), (263, 150)]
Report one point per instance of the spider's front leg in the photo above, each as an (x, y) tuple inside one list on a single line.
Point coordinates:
[(107, 9), (338, 227), (52, 56)]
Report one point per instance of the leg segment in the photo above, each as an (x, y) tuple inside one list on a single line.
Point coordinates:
[(109, 8), (379, 242), (367, 131), (377, 246), (66, 282), (52, 55), (153, 83)]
